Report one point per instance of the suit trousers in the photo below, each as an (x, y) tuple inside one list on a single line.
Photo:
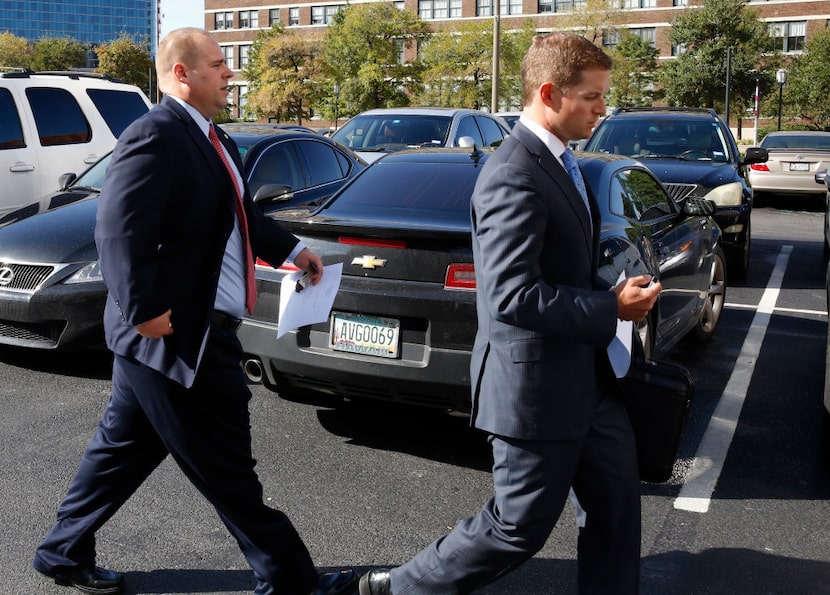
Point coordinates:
[(206, 429), (531, 483)]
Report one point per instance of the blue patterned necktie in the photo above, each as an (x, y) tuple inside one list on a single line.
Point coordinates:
[(571, 166)]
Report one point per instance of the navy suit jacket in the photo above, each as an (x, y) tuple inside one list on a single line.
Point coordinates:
[(164, 217), (543, 322)]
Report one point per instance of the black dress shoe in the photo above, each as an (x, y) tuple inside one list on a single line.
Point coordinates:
[(96, 581), (375, 582), (336, 583)]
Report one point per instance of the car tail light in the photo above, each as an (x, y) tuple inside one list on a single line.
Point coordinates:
[(286, 267), (374, 243), (759, 166), (460, 276)]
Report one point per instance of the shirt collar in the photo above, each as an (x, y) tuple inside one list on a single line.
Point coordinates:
[(550, 140), (201, 121)]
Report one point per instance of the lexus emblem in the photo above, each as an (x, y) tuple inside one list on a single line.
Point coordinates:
[(6, 276), (369, 261)]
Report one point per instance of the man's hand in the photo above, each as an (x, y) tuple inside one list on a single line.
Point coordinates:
[(636, 296), (311, 264), (157, 327)]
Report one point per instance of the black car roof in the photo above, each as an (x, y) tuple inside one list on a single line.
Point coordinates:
[(668, 112)]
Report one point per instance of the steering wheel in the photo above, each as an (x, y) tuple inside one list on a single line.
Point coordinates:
[(698, 152)]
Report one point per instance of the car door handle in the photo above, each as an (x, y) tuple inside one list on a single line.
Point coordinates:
[(90, 159), (22, 167)]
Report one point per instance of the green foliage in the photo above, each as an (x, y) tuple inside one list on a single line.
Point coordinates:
[(808, 83), (285, 75), (362, 49), (58, 53), (592, 19), (126, 60), (458, 66), (697, 78), (14, 51), (634, 72)]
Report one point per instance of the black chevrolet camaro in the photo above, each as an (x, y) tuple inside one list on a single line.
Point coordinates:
[(403, 321), (51, 291)]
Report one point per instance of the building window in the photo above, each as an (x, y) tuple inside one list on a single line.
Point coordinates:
[(639, 3), (228, 51), (545, 6), (399, 4), (324, 15), (273, 16), (610, 39), (563, 5), (294, 16), (648, 34), (681, 2), (244, 55), (248, 19), (787, 36), (223, 20), (484, 8), (243, 101)]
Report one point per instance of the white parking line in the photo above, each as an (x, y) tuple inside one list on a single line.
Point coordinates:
[(736, 306), (696, 493)]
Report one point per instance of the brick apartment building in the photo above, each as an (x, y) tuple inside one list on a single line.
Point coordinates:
[(234, 23)]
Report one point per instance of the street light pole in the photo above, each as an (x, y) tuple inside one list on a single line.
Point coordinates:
[(336, 95), (781, 79)]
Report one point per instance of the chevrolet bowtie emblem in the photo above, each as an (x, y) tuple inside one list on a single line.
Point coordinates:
[(369, 261)]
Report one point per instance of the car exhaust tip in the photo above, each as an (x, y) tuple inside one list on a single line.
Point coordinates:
[(253, 369)]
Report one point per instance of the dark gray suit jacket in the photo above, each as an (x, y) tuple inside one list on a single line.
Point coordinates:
[(164, 217), (543, 323)]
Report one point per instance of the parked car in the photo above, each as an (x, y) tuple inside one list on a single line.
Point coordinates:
[(694, 154), (510, 117), (826, 409), (375, 132), (821, 178), (402, 231), (51, 291), (56, 122), (794, 159)]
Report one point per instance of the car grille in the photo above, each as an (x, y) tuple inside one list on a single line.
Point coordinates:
[(42, 334), (679, 191), (24, 277)]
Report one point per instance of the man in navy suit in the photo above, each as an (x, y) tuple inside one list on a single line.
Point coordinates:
[(543, 388), (176, 235)]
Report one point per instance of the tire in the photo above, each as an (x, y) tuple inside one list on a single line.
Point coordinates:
[(715, 298), (739, 261)]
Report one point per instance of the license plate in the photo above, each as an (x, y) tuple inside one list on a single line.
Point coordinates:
[(799, 167), (366, 335)]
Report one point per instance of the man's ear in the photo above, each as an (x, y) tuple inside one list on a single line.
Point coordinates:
[(551, 95)]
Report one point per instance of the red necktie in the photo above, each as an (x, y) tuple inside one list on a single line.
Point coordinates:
[(250, 281)]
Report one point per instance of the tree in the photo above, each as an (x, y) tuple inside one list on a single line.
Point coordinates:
[(593, 19), (14, 51), (634, 72), (697, 77), (126, 60), (58, 53), (285, 73), (808, 83), (362, 50), (458, 66)]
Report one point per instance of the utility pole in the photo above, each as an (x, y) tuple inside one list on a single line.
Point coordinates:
[(494, 99)]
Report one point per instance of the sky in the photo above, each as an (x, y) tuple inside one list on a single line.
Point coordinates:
[(181, 13)]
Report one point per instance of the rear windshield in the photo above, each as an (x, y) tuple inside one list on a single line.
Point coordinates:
[(427, 193), (797, 141)]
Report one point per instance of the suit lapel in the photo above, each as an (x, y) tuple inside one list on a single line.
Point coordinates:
[(551, 166)]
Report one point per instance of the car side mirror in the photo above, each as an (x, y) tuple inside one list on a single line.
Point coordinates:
[(821, 177), (270, 193), (755, 155), (466, 142), (65, 180), (698, 206)]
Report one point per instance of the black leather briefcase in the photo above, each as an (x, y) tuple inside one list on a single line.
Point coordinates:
[(658, 396)]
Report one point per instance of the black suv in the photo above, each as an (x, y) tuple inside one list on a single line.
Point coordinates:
[(693, 152)]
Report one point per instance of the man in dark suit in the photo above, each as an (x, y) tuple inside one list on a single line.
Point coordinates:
[(543, 388), (177, 233)]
